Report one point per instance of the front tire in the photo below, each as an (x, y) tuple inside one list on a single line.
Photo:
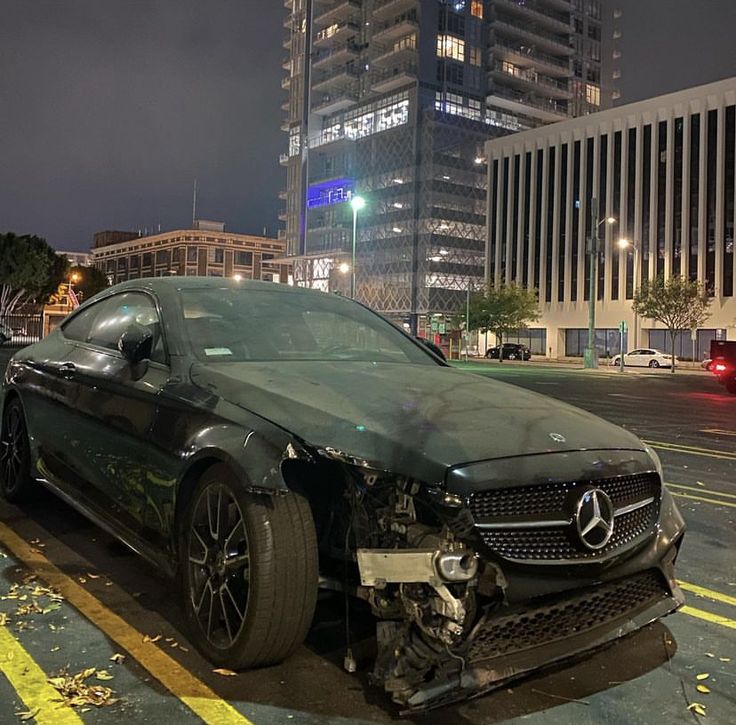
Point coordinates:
[(249, 570), (15, 455)]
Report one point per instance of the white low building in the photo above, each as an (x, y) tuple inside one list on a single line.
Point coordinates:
[(664, 169)]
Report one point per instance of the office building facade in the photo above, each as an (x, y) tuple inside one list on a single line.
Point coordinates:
[(664, 170), (206, 251), (393, 100)]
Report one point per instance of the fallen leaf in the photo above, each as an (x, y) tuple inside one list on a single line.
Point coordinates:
[(183, 649), (93, 576), (700, 483), (105, 675), (81, 580), (28, 714), (702, 676), (3, 619), (225, 673), (148, 638), (55, 649), (697, 708), (703, 688), (709, 654), (51, 608), (117, 658), (724, 659), (76, 692)]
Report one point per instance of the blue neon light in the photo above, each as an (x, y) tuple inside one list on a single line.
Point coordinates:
[(326, 193)]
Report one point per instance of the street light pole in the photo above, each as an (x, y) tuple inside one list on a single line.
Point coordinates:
[(356, 203), (467, 321), (636, 272), (590, 359)]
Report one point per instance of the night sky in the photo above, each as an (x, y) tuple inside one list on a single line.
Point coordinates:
[(108, 110)]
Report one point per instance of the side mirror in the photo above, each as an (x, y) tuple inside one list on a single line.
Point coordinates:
[(435, 349), (136, 344)]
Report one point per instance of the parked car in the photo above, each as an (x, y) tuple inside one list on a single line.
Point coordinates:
[(255, 439), (511, 351), (723, 363), (645, 358)]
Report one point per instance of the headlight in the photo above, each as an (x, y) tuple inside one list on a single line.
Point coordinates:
[(657, 463)]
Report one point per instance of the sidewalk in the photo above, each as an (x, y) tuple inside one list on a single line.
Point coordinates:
[(683, 368)]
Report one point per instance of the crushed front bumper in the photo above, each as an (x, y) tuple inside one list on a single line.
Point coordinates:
[(507, 644)]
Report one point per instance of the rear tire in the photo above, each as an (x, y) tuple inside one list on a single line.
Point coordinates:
[(731, 387), (653, 364), (250, 581), (16, 482)]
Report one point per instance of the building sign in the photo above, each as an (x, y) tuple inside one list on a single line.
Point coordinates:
[(326, 193)]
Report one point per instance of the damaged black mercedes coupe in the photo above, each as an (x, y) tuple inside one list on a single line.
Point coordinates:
[(259, 441)]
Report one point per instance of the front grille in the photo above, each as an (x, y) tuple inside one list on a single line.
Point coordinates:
[(570, 616), (550, 498), (560, 543), (517, 516)]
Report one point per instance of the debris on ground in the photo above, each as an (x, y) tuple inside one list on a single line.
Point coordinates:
[(76, 692)]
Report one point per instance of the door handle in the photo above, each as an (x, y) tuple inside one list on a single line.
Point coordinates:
[(68, 370)]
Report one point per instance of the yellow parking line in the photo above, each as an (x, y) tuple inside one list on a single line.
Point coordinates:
[(702, 489), (708, 617), (714, 501), (29, 681), (708, 593), (692, 450), (199, 698)]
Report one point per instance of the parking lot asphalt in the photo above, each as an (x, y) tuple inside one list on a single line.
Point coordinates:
[(73, 600)]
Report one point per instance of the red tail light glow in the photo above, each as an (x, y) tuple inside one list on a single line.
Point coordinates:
[(720, 367)]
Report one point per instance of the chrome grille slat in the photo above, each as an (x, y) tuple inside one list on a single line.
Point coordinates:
[(635, 498)]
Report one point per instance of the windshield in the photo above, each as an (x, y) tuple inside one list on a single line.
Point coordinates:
[(242, 325)]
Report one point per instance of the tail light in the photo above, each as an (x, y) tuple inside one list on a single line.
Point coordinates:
[(720, 367)]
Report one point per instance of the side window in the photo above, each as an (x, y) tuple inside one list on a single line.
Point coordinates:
[(117, 313), (79, 326)]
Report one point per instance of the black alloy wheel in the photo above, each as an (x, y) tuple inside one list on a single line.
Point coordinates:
[(15, 454), (219, 564), (249, 571), (653, 364)]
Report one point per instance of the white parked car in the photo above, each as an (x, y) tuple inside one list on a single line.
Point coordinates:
[(645, 357)]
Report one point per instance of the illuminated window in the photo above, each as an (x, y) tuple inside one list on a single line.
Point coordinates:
[(450, 47), (593, 94), (475, 56), (476, 8)]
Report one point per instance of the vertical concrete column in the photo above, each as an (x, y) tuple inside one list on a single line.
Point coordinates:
[(532, 214), (490, 217), (669, 192), (720, 195), (520, 242), (543, 229), (510, 218), (502, 181), (635, 340), (685, 236), (653, 203), (582, 217), (702, 182), (569, 206), (623, 228), (608, 229), (556, 223)]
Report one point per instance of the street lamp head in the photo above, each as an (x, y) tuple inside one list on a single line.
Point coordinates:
[(343, 267), (611, 220), (624, 243), (357, 202), (75, 277), (237, 277)]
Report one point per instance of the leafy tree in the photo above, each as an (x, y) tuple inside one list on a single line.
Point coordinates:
[(30, 270), (90, 281), (677, 303), (502, 309)]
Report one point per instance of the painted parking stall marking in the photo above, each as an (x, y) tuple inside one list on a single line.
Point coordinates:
[(191, 691)]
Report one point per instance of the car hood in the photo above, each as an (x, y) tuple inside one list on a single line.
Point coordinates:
[(416, 420)]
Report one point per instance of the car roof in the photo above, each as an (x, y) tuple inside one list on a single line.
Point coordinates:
[(157, 284)]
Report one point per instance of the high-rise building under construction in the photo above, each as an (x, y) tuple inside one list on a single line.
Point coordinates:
[(392, 100)]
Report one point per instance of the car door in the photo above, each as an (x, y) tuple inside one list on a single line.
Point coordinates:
[(634, 358), (116, 410)]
